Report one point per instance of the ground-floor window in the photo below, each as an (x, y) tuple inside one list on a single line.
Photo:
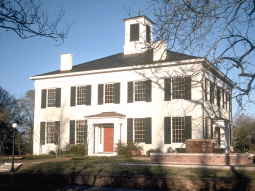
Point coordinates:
[(139, 128), (50, 133), (178, 129), (80, 131)]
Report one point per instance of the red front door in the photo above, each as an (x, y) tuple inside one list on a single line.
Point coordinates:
[(108, 139)]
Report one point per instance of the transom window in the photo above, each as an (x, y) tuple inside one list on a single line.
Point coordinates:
[(80, 131), (50, 133), (139, 127), (178, 88), (51, 97), (81, 95), (140, 91), (178, 130), (109, 93)]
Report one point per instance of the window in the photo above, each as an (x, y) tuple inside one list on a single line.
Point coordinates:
[(51, 98), (81, 95), (178, 129), (50, 133), (178, 88), (134, 32), (207, 90), (140, 91), (139, 129), (109, 93), (81, 131)]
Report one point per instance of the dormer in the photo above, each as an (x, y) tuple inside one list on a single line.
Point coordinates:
[(138, 34)]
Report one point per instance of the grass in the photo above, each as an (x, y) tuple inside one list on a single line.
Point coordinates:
[(110, 166)]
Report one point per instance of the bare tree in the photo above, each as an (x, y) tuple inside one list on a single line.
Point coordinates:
[(27, 20), (26, 105), (220, 31)]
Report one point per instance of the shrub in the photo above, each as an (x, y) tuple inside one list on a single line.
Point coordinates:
[(52, 152), (77, 150), (170, 150), (129, 149)]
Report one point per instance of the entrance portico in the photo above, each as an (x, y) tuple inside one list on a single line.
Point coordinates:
[(104, 132)]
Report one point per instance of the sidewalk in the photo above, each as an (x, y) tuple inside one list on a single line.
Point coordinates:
[(7, 167)]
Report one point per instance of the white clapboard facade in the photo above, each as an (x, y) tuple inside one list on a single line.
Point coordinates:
[(149, 95)]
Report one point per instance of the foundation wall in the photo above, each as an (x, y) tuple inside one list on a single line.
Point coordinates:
[(200, 159)]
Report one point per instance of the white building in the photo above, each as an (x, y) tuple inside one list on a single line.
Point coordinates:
[(152, 96)]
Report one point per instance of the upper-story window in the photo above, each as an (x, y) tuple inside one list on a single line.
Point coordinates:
[(177, 88), (109, 93), (139, 91), (51, 98), (80, 95), (134, 32), (51, 101)]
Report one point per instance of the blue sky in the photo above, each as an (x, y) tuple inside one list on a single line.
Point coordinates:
[(98, 31)]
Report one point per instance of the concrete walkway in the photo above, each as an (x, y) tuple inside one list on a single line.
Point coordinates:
[(7, 167), (249, 168)]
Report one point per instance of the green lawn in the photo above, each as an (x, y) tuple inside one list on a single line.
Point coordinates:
[(110, 166)]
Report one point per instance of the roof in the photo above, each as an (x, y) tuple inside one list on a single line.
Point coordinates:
[(121, 60), (106, 114)]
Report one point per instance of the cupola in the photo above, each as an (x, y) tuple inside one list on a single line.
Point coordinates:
[(138, 34)]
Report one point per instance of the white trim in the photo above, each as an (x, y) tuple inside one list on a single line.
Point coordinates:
[(116, 69)]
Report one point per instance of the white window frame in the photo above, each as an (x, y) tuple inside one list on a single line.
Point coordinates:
[(139, 129), (52, 133), (76, 132), (47, 95), (143, 93), (178, 136), (111, 95), (179, 91), (83, 97)]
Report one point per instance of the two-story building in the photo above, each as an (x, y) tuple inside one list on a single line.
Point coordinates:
[(148, 94)]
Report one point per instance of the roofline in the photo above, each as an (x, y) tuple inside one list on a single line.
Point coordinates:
[(158, 64), (138, 17)]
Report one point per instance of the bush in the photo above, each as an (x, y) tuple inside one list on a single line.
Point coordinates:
[(129, 149), (170, 150), (52, 152), (77, 150)]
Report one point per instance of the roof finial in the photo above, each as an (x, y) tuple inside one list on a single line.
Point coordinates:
[(139, 12)]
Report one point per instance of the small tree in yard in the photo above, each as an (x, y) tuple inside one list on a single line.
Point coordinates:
[(19, 142)]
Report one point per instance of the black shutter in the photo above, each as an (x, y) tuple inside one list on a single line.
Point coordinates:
[(43, 103), (206, 128), (148, 130), (73, 96), (205, 90), (211, 128), (218, 96), (86, 131), (167, 88), (42, 133), (188, 88), (100, 94), (134, 32), (188, 127), (117, 93), (148, 33), (148, 90), (72, 132), (88, 95), (130, 92), (211, 93), (130, 130), (167, 130), (58, 97), (57, 132)]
